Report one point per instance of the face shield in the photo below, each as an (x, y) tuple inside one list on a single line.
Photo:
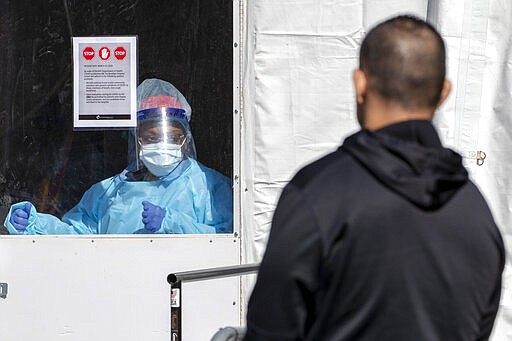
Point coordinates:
[(163, 137)]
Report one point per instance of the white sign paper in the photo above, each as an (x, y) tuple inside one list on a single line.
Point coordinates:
[(104, 82)]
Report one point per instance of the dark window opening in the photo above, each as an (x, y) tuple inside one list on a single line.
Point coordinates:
[(188, 43)]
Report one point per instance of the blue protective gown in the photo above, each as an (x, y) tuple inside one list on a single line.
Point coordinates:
[(196, 199)]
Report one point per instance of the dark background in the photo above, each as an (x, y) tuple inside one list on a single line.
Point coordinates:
[(188, 43)]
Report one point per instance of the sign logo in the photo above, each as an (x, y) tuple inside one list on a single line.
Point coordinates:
[(88, 53), (120, 53), (104, 53)]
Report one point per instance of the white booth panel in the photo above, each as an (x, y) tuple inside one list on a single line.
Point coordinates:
[(114, 287)]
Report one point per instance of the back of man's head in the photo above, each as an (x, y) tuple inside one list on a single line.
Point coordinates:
[(404, 60)]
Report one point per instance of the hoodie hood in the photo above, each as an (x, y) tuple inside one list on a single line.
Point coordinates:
[(409, 159)]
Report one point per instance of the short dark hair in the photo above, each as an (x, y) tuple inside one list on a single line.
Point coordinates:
[(404, 60)]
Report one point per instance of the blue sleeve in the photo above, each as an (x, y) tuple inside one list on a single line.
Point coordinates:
[(84, 216), (222, 206), (38, 223), (81, 219), (215, 206), (176, 222)]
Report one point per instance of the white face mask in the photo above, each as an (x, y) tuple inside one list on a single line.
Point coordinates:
[(161, 158)]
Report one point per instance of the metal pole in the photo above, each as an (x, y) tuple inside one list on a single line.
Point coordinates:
[(175, 280), (202, 274)]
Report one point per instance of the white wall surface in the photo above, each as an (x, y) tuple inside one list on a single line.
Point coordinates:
[(113, 287)]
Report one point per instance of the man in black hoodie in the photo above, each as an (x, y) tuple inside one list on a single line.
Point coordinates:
[(386, 238)]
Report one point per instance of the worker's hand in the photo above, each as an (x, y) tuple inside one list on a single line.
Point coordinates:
[(152, 216), (19, 218)]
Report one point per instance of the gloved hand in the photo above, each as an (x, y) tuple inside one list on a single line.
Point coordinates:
[(19, 218), (152, 216)]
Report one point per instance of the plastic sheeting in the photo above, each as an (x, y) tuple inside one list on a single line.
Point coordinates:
[(298, 99)]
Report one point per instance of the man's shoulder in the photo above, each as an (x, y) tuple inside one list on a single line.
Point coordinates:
[(471, 196), (326, 166)]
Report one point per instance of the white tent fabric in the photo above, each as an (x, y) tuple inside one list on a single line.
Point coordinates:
[(477, 118), (298, 100)]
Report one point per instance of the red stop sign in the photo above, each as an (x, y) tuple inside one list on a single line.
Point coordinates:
[(120, 53), (88, 53)]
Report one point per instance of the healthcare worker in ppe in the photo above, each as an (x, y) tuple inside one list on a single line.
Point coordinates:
[(163, 190)]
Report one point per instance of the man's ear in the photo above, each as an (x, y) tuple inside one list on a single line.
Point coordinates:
[(360, 84), (445, 91)]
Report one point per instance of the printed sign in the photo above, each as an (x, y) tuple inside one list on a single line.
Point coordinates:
[(104, 82), (175, 298)]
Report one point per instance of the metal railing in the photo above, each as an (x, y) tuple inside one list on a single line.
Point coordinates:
[(225, 271), (175, 279)]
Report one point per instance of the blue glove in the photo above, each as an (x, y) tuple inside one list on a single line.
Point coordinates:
[(19, 218), (152, 216)]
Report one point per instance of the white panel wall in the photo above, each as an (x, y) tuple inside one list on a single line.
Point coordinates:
[(113, 287)]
